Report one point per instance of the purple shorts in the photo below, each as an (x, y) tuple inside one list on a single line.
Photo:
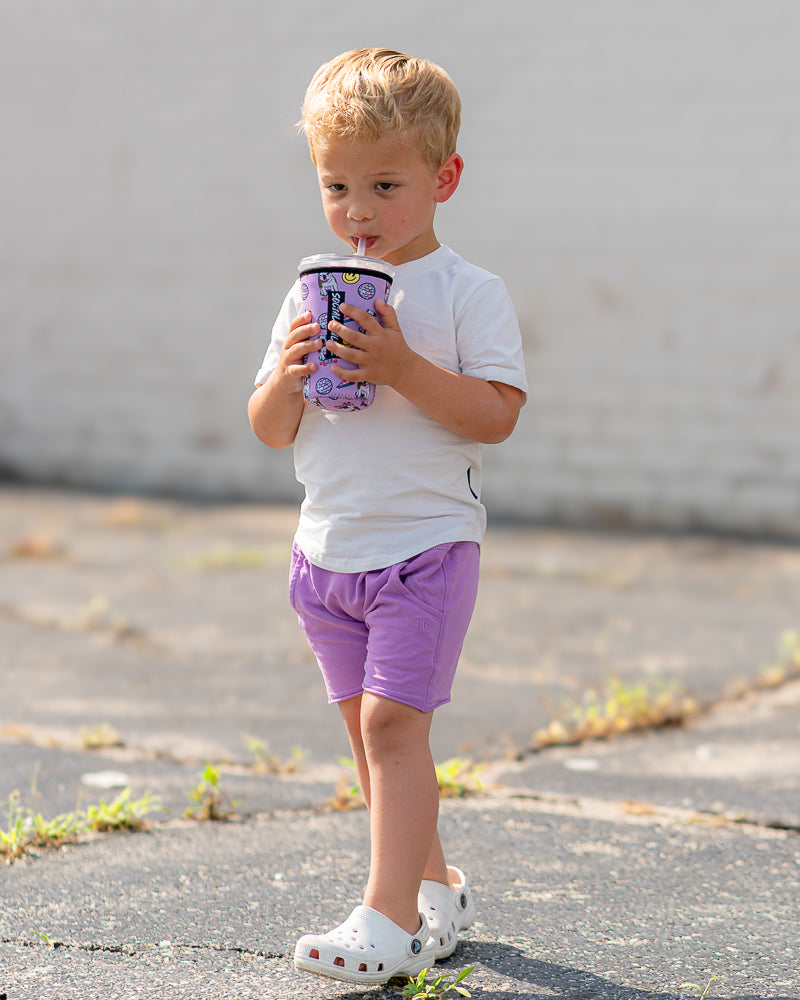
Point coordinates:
[(395, 632)]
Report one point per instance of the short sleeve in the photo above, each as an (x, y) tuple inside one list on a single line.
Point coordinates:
[(488, 336), (288, 312)]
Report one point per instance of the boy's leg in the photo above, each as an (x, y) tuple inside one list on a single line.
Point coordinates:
[(404, 805), (351, 714), (390, 747), (436, 868)]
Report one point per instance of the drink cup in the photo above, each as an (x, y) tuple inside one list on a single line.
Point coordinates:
[(326, 281)]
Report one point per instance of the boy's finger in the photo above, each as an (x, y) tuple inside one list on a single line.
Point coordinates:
[(355, 312), (303, 333), (349, 374), (302, 319), (385, 311), (346, 333), (343, 350)]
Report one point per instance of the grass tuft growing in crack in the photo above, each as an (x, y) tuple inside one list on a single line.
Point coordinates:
[(122, 813), (27, 830), (457, 778), (418, 988), (788, 666), (348, 793), (268, 763), (703, 991), (100, 736), (212, 803), (619, 707)]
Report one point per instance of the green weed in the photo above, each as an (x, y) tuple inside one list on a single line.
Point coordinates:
[(458, 777), (122, 813), (348, 793), (100, 737), (95, 616), (788, 665), (620, 707), (62, 829), (703, 991), (212, 803), (47, 939), (13, 838), (28, 830), (420, 988), (268, 763)]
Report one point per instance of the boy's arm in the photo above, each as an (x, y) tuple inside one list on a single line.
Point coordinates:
[(276, 407), (476, 409)]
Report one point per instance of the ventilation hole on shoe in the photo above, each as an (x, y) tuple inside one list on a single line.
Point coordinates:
[(362, 967), (441, 940), (380, 966), (313, 953), (339, 961)]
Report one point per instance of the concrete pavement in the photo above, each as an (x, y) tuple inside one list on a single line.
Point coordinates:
[(619, 869)]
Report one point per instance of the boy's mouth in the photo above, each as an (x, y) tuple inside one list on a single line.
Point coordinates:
[(369, 241)]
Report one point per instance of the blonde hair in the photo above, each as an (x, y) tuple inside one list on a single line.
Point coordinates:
[(371, 93)]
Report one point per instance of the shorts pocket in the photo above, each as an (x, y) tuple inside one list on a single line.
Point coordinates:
[(295, 569), (423, 578)]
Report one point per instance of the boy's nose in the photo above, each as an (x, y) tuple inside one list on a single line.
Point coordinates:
[(359, 211)]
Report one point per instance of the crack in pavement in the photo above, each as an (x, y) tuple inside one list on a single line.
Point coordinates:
[(130, 951), (641, 813)]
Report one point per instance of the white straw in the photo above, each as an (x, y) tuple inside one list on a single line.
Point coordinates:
[(362, 247)]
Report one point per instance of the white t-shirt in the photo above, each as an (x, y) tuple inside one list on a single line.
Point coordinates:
[(385, 483)]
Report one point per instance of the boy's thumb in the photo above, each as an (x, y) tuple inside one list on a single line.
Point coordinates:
[(384, 309)]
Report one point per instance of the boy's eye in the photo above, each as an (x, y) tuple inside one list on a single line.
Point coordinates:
[(337, 188), (385, 186)]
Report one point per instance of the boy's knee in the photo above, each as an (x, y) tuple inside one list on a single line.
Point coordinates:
[(385, 722), (380, 713)]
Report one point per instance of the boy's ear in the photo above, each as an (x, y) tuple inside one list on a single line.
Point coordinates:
[(448, 176)]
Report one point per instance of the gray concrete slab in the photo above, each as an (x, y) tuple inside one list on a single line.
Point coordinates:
[(616, 869), (577, 899), (145, 604), (741, 760)]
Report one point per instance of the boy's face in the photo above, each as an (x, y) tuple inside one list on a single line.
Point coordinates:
[(383, 192)]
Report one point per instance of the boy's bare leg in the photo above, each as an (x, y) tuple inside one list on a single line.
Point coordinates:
[(390, 747)]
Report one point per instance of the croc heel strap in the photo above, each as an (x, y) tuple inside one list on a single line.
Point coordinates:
[(448, 910)]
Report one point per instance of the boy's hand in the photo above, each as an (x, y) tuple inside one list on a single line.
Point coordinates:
[(478, 410), (380, 352), (303, 338), (276, 407)]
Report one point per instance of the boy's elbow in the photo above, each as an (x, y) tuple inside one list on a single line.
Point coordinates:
[(500, 432), (505, 416), (272, 434)]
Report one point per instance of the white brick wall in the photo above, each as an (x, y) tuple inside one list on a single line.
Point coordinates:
[(633, 171)]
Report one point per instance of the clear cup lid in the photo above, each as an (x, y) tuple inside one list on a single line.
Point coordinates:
[(346, 262)]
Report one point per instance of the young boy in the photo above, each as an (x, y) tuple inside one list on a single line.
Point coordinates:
[(385, 561)]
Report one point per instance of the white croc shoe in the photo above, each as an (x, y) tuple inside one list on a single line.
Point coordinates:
[(368, 948), (447, 910)]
